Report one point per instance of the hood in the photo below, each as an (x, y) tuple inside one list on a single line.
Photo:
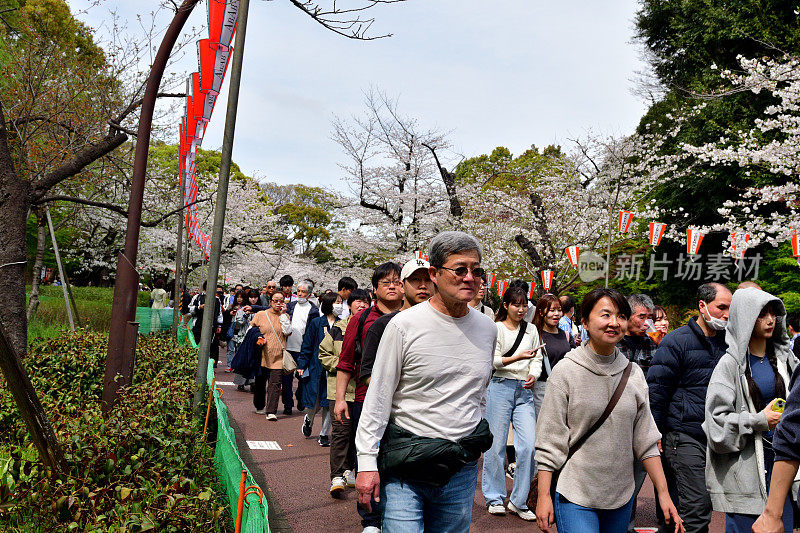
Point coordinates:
[(588, 359), (746, 305)]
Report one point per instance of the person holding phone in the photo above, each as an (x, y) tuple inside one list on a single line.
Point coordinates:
[(509, 400), (740, 409)]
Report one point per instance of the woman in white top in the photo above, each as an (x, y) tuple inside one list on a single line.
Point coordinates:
[(509, 399)]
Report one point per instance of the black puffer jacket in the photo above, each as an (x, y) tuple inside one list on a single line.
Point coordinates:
[(678, 378)]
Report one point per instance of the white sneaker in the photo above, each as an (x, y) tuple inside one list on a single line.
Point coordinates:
[(337, 486), (272, 417), (371, 529), (525, 514), (350, 478), (260, 411), (497, 509)]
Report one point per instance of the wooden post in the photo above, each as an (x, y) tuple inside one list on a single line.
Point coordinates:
[(60, 270), (208, 409)]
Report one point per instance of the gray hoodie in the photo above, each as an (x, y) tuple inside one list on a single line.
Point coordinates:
[(600, 474), (735, 456)]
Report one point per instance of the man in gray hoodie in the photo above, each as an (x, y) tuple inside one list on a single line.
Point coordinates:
[(736, 463)]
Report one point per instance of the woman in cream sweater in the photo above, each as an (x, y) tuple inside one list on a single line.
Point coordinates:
[(594, 491), (509, 399)]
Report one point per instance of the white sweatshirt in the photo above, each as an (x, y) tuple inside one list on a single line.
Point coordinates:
[(524, 367), (430, 378)]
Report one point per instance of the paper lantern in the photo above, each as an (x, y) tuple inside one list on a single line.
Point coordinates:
[(572, 254), (657, 230), (693, 239), (739, 246), (198, 100), (212, 65), (532, 291), (490, 277), (501, 287), (795, 245), (625, 221), (547, 279), (417, 255)]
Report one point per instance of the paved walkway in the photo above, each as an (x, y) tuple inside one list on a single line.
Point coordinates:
[(296, 478)]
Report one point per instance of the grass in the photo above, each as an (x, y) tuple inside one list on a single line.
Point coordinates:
[(94, 309)]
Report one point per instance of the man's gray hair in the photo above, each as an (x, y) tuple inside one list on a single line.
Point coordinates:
[(307, 284), (448, 243), (640, 300)]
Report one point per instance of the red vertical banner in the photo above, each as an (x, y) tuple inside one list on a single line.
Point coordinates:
[(490, 278), (795, 244), (222, 16), (501, 287)]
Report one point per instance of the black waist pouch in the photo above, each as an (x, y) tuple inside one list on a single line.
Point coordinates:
[(430, 461)]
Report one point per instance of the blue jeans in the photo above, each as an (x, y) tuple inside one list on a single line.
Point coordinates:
[(508, 402), (573, 518), (231, 352), (411, 507)]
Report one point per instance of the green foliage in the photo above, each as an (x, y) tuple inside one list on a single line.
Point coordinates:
[(308, 216), (162, 161), (501, 169), (779, 272), (94, 308), (142, 468)]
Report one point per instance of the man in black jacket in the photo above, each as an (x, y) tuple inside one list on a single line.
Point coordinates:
[(197, 309), (678, 379)]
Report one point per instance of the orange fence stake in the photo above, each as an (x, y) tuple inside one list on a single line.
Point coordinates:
[(208, 409), (240, 508)]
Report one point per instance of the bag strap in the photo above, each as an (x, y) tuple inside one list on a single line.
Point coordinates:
[(275, 332), (362, 319), (523, 325), (610, 407)]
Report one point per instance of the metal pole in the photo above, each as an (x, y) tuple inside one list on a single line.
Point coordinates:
[(126, 285), (608, 249), (60, 269), (176, 303), (219, 209)]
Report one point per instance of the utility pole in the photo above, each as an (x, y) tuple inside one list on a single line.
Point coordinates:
[(209, 316)]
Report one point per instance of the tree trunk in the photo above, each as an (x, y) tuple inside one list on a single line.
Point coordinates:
[(14, 203), (41, 239)]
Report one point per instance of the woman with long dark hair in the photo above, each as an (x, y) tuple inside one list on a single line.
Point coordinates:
[(557, 343), (509, 399), (593, 451), (746, 384)]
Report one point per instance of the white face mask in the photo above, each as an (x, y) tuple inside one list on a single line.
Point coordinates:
[(714, 322), (302, 300), (337, 309)]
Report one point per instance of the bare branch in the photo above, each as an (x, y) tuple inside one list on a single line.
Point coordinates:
[(346, 22)]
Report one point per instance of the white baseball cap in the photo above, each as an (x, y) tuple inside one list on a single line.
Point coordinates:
[(412, 266)]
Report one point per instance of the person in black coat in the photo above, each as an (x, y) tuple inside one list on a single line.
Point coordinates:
[(197, 310), (678, 380)]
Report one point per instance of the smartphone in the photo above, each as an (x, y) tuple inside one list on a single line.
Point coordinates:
[(779, 405)]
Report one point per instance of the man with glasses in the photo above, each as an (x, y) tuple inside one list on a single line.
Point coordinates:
[(428, 390), (301, 312), (389, 297), (267, 291), (417, 288)]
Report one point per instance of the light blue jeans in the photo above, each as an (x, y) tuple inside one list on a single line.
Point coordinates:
[(574, 518), (412, 507), (508, 402)]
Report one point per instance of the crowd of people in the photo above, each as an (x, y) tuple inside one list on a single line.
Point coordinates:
[(417, 376)]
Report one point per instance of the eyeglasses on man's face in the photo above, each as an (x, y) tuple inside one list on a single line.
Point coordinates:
[(461, 272), (389, 282)]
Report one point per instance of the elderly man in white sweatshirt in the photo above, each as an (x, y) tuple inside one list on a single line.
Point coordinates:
[(427, 396)]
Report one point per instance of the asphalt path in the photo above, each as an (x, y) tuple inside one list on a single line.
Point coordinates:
[(296, 478)]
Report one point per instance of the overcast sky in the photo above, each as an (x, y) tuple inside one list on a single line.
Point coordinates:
[(501, 73)]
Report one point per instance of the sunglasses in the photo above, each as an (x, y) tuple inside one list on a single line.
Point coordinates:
[(462, 271)]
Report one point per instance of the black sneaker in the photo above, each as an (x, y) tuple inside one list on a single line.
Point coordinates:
[(324, 441), (287, 411), (307, 424)]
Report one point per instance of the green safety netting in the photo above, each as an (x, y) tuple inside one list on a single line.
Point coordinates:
[(153, 320), (230, 465)]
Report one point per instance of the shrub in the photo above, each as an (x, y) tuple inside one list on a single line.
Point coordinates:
[(142, 468)]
